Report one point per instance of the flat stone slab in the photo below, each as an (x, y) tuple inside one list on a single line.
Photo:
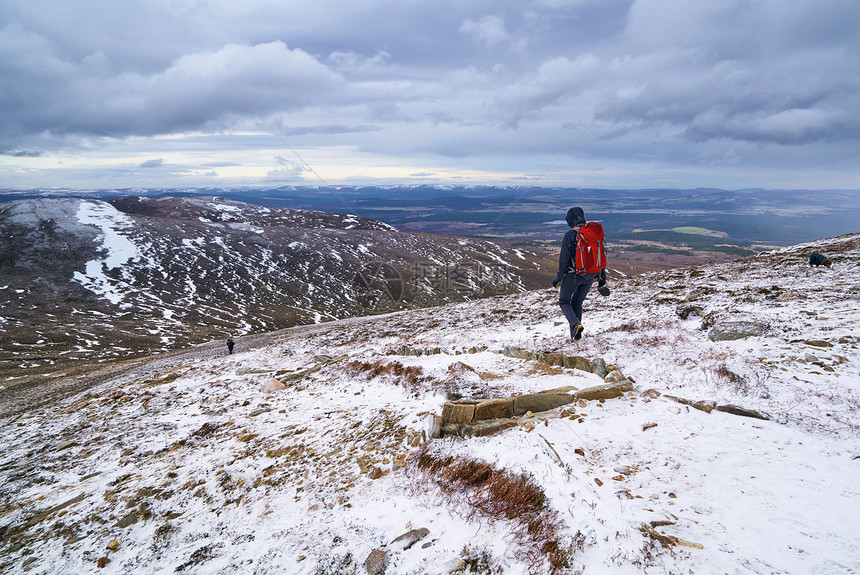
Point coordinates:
[(742, 411), (606, 391), (494, 409), (536, 402)]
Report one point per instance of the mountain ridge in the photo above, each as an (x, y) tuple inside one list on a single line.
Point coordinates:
[(102, 280)]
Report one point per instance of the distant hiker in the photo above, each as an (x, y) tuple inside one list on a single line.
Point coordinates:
[(816, 259), (230, 344), (581, 261)]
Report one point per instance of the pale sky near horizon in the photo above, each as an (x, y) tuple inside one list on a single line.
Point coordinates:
[(583, 93)]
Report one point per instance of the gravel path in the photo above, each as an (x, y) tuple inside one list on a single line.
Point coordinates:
[(18, 399)]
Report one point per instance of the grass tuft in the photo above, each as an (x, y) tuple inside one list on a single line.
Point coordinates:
[(499, 494)]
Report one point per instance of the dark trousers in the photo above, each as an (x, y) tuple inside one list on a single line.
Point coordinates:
[(574, 288)]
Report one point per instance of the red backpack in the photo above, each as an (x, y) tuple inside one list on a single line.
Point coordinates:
[(590, 256)]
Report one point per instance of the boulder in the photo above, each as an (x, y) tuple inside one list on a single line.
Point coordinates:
[(375, 562), (554, 359), (408, 539), (458, 412), (732, 330)]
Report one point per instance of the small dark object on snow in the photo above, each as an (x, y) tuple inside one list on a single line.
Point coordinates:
[(816, 259)]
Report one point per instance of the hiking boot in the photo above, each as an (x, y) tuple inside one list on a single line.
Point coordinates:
[(576, 332)]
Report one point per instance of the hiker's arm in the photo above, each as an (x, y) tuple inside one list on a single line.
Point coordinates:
[(565, 256)]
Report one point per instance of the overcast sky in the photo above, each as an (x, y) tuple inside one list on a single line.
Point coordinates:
[(596, 93)]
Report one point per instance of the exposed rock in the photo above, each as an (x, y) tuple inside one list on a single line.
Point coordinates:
[(600, 368), (458, 412), (433, 425), (518, 353), (540, 402), (409, 539), (246, 436), (702, 405), (554, 359), (272, 385), (685, 310), (614, 376), (606, 391), (494, 409), (113, 545), (102, 562), (706, 406), (128, 520), (736, 410), (648, 426), (377, 473), (817, 343), (375, 562), (580, 363), (562, 389), (732, 330), (491, 427), (460, 368)]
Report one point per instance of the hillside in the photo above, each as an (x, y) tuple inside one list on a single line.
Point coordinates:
[(731, 444), (86, 280)]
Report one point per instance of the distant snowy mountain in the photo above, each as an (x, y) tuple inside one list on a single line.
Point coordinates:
[(83, 278), (722, 435)]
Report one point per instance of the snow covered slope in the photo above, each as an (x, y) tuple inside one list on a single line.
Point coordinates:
[(197, 468), (95, 280)]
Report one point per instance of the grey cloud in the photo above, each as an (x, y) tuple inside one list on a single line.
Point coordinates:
[(157, 163), (196, 91), (22, 154)]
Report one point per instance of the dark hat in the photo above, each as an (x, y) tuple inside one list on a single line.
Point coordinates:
[(575, 217)]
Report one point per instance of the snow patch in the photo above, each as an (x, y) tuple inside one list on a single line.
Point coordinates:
[(119, 249)]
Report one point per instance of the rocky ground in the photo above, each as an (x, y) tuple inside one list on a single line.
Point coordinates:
[(732, 448)]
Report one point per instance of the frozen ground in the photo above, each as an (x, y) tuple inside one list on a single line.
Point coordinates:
[(196, 469)]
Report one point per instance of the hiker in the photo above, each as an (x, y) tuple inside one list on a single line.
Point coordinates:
[(575, 284), (230, 345)]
